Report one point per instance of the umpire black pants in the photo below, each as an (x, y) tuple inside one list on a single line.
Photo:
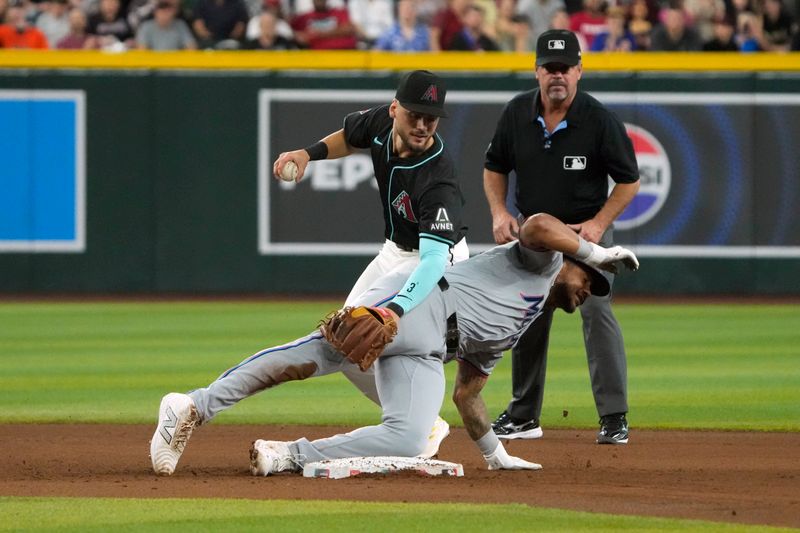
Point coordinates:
[(605, 353)]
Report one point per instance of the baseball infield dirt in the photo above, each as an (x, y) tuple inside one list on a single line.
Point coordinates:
[(748, 478)]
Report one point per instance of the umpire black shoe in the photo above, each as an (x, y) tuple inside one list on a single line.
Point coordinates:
[(507, 428), (613, 429)]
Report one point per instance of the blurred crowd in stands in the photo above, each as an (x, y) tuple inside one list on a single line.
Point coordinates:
[(399, 25)]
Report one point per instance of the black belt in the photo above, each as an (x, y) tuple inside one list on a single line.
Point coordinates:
[(451, 336), (406, 248)]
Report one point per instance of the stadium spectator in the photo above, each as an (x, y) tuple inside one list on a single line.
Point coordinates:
[(165, 31), (511, 30), (489, 16), (471, 37), (643, 10), (704, 14), (540, 13), (617, 38), (220, 23), (324, 28), (723, 40), (17, 32), (298, 7), (109, 28), (749, 33), (589, 22), (407, 34), (561, 21), (428, 9), (54, 20), (795, 46), (282, 27), (3, 10), (733, 8), (371, 19), (777, 25), (269, 38), (673, 35), (77, 38), (447, 24), (641, 30)]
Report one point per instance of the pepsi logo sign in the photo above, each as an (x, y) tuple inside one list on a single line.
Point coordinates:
[(655, 176)]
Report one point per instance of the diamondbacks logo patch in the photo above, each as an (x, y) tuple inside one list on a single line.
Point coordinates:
[(431, 94), (442, 221), (402, 204)]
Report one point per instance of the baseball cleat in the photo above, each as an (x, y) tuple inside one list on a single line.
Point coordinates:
[(613, 429), (177, 418), (440, 431), (271, 456), (506, 428)]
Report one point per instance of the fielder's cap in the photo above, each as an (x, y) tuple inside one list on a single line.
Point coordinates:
[(558, 46), (422, 91), (600, 284)]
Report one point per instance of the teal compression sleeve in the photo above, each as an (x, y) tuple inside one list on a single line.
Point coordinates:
[(434, 256)]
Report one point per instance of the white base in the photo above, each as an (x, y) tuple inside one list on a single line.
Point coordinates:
[(353, 466)]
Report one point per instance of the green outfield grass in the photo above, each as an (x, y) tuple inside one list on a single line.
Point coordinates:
[(690, 366), (101, 514)]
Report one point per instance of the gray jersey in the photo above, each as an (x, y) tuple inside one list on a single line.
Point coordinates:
[(496, 296)]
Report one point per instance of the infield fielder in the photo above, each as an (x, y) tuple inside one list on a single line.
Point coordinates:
[(419, 193)]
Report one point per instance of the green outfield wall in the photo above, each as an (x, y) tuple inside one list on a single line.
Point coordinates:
[(149, 173)]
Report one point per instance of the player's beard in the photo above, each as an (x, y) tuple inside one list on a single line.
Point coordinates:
[(410, 142)]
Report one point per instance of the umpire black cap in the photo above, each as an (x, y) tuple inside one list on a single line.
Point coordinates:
[(600, 284), (558, 46), (422, 91)]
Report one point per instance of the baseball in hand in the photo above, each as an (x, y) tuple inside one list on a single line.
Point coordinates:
[(289, 171)]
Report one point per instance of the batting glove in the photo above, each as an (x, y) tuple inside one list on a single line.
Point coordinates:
[(500, 460), (606, 258)]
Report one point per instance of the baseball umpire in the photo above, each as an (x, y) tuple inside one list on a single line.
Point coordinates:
[(419, 192), (481, 306), (563, 145)]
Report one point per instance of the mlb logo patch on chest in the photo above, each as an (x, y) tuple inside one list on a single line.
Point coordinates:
[(575, 162)]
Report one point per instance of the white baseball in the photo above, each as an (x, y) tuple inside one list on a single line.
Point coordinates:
[(289, 171)]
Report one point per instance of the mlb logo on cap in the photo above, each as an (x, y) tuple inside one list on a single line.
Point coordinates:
[(558, 46)]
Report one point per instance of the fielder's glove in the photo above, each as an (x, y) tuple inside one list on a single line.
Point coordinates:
[(360, 333), (500, 460), (606, 258)]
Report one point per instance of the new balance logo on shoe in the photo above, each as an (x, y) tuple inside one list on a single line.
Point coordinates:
[(168, 423)]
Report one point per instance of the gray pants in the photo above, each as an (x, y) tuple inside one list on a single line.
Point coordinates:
[(605, 353), (409, 381)]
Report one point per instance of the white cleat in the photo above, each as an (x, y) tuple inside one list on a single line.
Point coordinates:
[(271, 456), (177, 417), (440, 430)]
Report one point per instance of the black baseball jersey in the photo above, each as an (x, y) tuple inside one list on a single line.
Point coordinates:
[(565, 175), (419, 194)]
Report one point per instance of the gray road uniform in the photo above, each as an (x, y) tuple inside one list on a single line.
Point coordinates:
[(489, 300)]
